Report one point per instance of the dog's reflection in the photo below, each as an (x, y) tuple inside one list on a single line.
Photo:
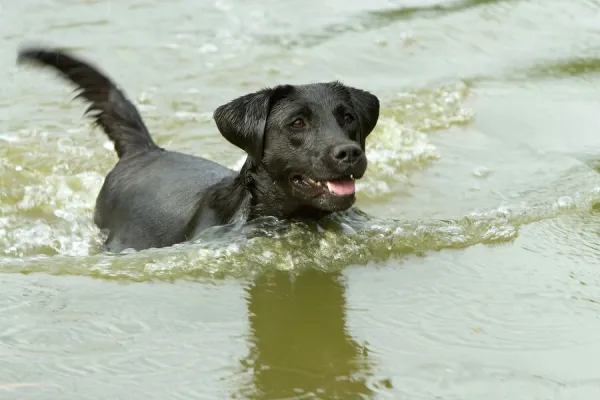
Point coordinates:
[(299, 344)]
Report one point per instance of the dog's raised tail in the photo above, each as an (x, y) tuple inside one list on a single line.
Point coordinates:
[(109, 107)]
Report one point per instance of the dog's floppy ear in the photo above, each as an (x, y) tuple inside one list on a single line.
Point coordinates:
[(243, 121), (366, 106)]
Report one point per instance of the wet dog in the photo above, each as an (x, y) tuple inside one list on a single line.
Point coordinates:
[(305, 147)]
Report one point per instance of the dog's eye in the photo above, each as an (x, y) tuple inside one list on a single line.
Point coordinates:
[(348, 118), (298, 123)]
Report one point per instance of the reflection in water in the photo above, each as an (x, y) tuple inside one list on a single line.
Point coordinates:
[(299, 344)]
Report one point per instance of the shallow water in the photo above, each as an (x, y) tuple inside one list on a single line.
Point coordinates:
[(469, 269)]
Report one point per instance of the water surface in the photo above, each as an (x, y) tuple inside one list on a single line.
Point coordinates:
[(469, 269)]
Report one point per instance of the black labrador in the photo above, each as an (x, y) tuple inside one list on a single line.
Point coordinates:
[(305, 146)]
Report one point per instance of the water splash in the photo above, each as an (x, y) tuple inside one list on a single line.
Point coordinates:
[(350, 238)]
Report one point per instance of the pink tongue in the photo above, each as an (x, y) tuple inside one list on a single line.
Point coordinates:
[(342, 188)]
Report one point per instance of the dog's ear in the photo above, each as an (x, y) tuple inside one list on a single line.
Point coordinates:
[(366, 106), (243, 121)]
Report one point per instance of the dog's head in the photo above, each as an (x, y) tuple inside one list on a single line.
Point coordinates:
[(309, 139)]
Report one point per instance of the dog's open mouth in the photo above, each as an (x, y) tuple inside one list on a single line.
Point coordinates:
[(344, 186)]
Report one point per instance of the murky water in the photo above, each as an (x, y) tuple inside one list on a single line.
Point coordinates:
[(471, 269)]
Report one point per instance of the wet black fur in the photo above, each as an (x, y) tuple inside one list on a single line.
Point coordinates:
[(156, 198)]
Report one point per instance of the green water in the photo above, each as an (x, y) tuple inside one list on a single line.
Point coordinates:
[(471, 271)]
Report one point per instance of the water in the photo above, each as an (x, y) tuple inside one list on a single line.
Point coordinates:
[(468, 271)]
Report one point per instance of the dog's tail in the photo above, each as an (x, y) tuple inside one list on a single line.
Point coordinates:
[(109, 107)]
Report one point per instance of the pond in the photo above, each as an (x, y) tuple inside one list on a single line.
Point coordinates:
[(454, 277)]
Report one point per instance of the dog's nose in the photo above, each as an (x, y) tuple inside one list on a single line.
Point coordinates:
[(347, 153)]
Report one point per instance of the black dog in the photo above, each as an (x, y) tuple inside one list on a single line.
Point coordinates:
[(305, 145)]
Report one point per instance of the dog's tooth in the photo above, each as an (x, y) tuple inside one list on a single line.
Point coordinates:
[(352, 177)]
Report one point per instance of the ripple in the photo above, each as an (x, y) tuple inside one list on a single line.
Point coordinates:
[(470, 304), (583, 227), (562, 68), (453, 380), (74, 333), (368, 21), (78, 344), (434, 10), (346, 239), (534, 323)]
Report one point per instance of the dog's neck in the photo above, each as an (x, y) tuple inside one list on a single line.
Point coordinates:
[(254, 187)]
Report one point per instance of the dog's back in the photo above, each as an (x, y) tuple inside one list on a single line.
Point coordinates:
[(149, 200)]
